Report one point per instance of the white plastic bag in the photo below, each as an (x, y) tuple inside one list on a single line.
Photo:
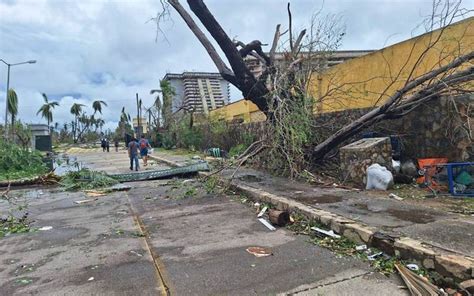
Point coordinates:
[(378, 177), (150, 151)]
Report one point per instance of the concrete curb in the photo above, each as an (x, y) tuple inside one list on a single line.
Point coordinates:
[(448, 264)]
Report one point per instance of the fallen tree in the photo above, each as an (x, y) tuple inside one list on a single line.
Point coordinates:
[(281, 91)]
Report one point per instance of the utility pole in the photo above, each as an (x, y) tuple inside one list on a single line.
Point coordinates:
[(138, 117), (8, 87)]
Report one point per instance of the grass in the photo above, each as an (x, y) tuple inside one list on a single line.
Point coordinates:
[(11, 225)]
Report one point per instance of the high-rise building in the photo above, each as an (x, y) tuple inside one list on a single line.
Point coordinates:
[(198, 92)]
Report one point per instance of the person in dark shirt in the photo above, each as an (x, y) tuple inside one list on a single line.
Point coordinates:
[(133, 151)]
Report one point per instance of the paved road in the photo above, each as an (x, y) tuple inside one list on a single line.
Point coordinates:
[(194, 243)]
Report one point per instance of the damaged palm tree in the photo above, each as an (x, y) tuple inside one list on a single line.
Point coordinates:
[(282, 91)]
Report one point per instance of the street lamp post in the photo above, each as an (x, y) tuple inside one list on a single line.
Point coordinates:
[(8, 87)]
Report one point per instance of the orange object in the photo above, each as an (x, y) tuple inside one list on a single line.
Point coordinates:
[(430, 167)]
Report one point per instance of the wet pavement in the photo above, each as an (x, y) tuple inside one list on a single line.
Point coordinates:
[(167, 235), (441, 229)]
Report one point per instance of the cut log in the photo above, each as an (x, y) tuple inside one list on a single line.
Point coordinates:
[(280, 218)]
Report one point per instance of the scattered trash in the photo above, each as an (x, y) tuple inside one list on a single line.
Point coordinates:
[(268, 225), (262, 212), (396, 165), (259, 251), (408, 168), (90, 279), (280, 218), (46, 228), (361, 248), (394, 196), (374, 256), (136, 253), (417, 284), (24, 281), (257, 204), (379, 177), (196, 157), (84, 201), (413, 267), (253, 265), (95, 193), (292, 220), (188, 181), (329, 233), (298, 192)]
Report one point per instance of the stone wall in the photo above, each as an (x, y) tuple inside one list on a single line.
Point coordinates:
[(358, 156)]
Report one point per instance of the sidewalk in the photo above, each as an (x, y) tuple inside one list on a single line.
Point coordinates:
[(437, 239)]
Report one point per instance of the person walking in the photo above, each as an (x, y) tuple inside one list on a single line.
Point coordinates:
[(133, 154), (144, 145), (107, 144), (116, 143), (102, 144)]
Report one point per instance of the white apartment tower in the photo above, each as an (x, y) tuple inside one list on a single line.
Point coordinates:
[(198, 92)]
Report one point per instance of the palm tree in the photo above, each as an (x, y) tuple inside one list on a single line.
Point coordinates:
[(12, 106), (157, 105), (76, 110), (97, 106), (47, 109)]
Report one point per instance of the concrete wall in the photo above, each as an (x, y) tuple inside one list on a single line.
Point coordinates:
[(359, 83)]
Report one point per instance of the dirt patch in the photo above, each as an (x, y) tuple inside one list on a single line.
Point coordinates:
[(414, 216), (322, 199)]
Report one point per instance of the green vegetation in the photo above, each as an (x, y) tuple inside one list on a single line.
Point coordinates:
[(11, 225), (18, 163), (86, 179)]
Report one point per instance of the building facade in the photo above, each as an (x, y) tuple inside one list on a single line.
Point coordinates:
[(198, 92), (317, 60)]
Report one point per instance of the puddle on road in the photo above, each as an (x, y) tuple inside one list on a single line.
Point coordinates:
[(414, 216), (63, 163), (322, 199)]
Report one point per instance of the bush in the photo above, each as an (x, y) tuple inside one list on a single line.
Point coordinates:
[(17, 162)]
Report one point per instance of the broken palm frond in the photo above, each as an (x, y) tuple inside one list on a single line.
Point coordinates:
[(418, 286), (48, 179), (86, 179)]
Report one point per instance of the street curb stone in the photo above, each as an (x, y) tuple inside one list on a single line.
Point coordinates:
[(444, 262)]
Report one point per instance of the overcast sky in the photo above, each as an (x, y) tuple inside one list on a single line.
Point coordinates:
[(94, 49)]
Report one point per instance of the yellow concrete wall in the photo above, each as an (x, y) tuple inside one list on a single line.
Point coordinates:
[(240, 109), (359, 82)]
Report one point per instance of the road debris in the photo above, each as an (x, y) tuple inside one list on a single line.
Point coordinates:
[(394, 196), (84, 201), (262, 212), (44, 228), (374, 256), (280, 218), (416, 284), (136, 253), (90, 279), (268, 225), (329, 233), (413, 267), (259, 251), (361, 248)]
